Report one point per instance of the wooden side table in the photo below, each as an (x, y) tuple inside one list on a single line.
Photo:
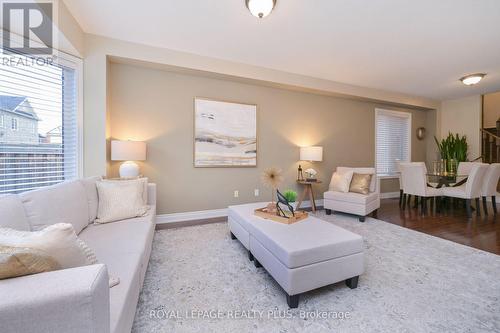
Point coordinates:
[(308, 191)]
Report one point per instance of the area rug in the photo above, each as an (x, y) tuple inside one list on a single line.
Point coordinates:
[(199, 280)]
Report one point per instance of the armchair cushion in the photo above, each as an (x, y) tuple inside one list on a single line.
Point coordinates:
[(351, 197)]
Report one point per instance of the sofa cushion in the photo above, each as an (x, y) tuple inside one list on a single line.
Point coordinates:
[(92, 198), (61, 203), (124, 247), (307, 242), (126, 236), (351, 197), (12, 214)]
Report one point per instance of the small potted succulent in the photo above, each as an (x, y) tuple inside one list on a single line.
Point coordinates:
[(291, 196)]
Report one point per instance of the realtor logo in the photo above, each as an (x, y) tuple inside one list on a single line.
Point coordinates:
[(33, 21)]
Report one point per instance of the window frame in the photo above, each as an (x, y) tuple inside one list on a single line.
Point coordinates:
[(64, 59), (393, 113)]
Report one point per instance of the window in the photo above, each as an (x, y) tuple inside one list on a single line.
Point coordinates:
[(44, 100), (2, 121), (14, 124), (392, 140)]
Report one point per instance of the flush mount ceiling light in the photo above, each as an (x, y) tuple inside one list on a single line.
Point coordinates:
[(260, 8), (472, 79)]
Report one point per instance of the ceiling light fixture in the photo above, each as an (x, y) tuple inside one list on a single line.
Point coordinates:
[(260, 8), (472, 79)]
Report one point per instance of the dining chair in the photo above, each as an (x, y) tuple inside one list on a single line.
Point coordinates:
[(471, 189), (398, 167), (415, 183), (464, 169), (489, 189)]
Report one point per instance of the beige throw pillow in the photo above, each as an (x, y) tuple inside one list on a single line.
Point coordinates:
[(121, 199), (341, 181), (20, 261), (360, 183), (58, 241)]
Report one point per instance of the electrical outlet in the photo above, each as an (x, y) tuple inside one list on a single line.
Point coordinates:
[(236, 194), (256, 192)]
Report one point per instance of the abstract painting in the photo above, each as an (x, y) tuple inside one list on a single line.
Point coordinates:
[(225, 134)]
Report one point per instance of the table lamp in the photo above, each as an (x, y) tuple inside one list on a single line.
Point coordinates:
[(311, 154), (128, 151)]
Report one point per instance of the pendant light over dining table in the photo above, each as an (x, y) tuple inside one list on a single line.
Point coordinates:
[(260, 8)]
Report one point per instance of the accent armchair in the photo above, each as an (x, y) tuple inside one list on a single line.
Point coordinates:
[(354, 203)]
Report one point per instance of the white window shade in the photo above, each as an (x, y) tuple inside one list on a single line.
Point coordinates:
[(392, 140), (43, 100)]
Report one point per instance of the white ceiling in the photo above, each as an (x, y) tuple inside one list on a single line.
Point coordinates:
[(418, 47)]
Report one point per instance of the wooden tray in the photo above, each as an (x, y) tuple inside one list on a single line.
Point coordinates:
[(299, 216)]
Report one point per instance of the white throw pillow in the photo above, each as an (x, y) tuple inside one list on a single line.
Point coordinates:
[(58, 241), (120, 199), (341, 181)]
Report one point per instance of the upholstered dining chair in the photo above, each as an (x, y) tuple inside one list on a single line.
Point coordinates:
[(490, 183), (415, 183), (464, 168), (471, 189), (398, 167)]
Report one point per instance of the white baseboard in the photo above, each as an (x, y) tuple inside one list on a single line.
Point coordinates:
[(208, 214), (389, 195)]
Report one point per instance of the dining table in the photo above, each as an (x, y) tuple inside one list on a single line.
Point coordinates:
[(445, 179)]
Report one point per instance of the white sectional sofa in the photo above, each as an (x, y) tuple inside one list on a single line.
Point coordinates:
[(77, 299), (354, 203)]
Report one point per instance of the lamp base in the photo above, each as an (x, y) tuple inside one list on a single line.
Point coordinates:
[(129, 169)]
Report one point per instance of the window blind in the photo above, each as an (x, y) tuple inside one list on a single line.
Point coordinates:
[(41, 99), (392, 142)]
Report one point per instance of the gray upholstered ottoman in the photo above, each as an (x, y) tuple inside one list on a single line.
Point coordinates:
[(301, 257)]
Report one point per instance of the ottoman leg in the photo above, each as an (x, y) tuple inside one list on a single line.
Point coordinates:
[(328, 211), (293, 301), (250, 256), (362, 219), (352, 282), (256, 263), (232, 236)]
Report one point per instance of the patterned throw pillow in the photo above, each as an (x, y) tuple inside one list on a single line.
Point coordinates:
[(59, 241), (19, 261), (360, 183), (54, 247)]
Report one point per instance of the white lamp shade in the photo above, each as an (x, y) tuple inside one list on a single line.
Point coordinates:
[(313, 154), (128, 150)]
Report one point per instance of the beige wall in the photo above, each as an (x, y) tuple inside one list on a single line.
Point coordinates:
[(157, 106), (491, 111), (99, 49), (463, 116)]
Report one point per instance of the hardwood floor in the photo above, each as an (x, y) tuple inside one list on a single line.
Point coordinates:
[(452, 224)]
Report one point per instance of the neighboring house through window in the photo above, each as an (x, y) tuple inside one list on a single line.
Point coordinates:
[(392, 140), (35, 98), (14, 125)]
